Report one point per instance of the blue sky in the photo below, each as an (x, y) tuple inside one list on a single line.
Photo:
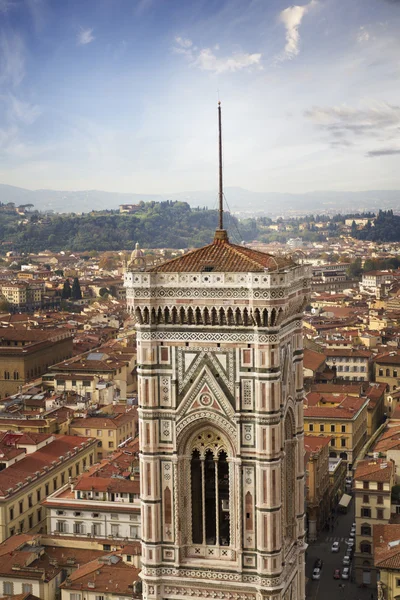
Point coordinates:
[(121, 95)]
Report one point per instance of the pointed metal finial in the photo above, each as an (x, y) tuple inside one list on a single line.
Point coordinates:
[(221, 189)]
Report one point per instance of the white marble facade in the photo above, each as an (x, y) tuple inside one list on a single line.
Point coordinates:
[(220, 380)]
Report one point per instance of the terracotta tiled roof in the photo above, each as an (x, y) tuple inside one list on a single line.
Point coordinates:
[(389, 440), (314, 443), (392, 358), (335, 388), (222, 256), (112, 576), (103, 484), (374, 470), (385, 556), (346, 409), (313, 360), (350, 352)]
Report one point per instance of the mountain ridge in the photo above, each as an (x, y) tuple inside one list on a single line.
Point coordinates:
[(239, 200)]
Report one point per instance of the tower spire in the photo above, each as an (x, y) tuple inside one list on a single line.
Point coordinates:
[(220, 233), (221, 189)]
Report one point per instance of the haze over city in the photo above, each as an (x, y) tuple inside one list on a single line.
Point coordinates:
[(121, 95)]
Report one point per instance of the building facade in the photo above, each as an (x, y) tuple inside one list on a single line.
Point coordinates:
[(220, 380), (373, 482)]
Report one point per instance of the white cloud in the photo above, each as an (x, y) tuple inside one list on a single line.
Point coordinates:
[(291, 18), (12, 59), (363, 35), (379, 122), (207, 60), (21, 111), (85, 36), (183, 42)]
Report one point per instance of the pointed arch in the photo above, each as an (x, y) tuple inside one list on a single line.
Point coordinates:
[(153, 319), (273, 317), (182, 315), (257, 317), (222, 317), (214, 316), (174, 316), (138, 315), (146, 315), (265, 317), (245, 317), (238, 317), (160, 316), (229, 316), (190, 316), (167, 316), (198, 319), (206, 317)]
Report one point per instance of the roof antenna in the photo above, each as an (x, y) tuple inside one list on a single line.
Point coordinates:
[(220, 234)]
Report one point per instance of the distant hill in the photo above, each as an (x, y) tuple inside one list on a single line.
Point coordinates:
[(240, 201)]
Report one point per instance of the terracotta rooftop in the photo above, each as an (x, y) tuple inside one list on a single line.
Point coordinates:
[(386, 556), (222, 256), (111, 484), (389, 440), (348, 408), (349, 352), (27, 467), (391, 358), (374, 470), (314, 443), (111, 576), (313, 360)]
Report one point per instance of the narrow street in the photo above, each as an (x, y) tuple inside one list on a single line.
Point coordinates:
[(328, 588)]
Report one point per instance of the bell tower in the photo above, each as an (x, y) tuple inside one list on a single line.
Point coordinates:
[(220, 379)]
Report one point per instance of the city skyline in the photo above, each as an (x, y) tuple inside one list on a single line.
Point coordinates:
[(122, 96)]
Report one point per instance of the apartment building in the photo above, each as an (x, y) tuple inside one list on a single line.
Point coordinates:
[(387, 371), (317, 483), (103, 508), (387, 559), (373, 482), (343, 419), (27, 353), (47, 465), (350, 364), (110, 429)]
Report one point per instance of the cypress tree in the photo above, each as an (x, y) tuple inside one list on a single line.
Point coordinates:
[(76, 293), (66, 291)]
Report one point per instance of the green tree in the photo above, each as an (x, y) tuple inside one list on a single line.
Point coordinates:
[(4, 305), (355, 268), (353, 229), (66, 291), (76, 293)]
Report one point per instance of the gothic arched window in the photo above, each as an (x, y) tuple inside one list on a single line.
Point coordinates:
[(210, 498)]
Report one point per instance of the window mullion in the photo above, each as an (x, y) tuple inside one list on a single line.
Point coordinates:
[(203, 503), (216, 503)]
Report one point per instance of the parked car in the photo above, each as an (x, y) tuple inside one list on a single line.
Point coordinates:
[(346, 573), (318, 563), (336, 574), (316, 574), (335, 547), (346, 560), (350, 543), (352, 533)]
